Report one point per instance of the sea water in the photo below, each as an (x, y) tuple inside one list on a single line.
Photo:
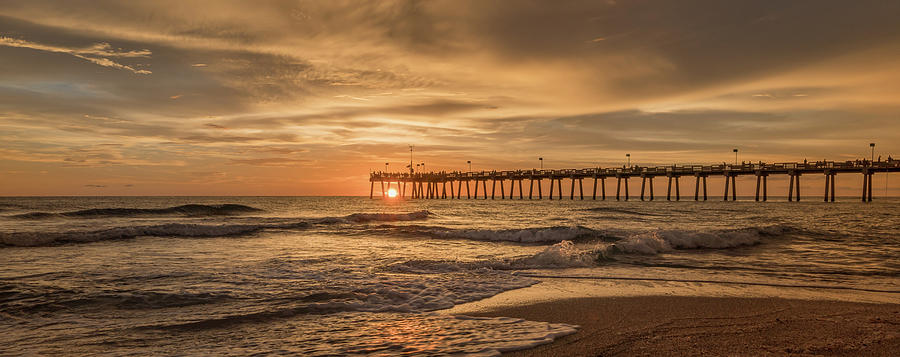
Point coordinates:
[(350, 275)]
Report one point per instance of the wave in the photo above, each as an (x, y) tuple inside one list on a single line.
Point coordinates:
[(564, 254), (191, 210), (30, 239), (138, 300), (619, 210), (662, 241), (568, 254), (521, 235), (375, 217)]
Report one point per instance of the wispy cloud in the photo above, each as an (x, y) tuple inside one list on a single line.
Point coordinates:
[(97, 53)]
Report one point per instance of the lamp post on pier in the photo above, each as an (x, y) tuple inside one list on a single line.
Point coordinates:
[(628, 157), (385, 167), (735, 155), (541, 159), (470, 165), (872, 145)]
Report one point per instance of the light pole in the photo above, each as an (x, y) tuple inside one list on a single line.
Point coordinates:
[(872, 145), (541, 159), (735, 156), (470, 165), (410, 159), (423, 166), (385, 167), (628, 157)]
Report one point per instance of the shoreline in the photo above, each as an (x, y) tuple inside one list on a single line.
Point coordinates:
[(685, 325), (653, 317)]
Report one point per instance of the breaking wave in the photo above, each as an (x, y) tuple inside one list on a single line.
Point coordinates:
[(28, 239), (568, 254), (191, 230), (192, 210), (662, 241)]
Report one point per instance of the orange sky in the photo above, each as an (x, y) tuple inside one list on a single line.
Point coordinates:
[(306, 97)]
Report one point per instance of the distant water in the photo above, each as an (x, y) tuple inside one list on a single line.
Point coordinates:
[(326, 276)]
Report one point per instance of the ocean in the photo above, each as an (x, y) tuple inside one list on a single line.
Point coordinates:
[(349, 275)]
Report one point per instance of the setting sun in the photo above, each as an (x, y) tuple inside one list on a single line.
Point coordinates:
[(392, 192)]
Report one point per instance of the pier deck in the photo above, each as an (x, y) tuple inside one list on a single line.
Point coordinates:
[(434, 185)]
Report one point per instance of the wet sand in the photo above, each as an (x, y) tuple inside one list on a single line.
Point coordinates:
[(683, 325)]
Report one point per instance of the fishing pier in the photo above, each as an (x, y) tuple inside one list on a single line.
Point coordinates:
[(440, 185)]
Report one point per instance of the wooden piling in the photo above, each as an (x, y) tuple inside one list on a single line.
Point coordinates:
[(733, 188), (727, 182), (704, 188), (531, 188), (669, 189), (603, 188), (791, 188), (572, 193), (626, 188), (551, 188), (758, 182), (697, 188), (559, 187), (677, 190), (833, 177), (618, 186), (871, 174), (643, 184), (581, 189)]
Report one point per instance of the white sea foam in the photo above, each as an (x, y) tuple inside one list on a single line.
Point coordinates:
[(661, 241), (387, 217)]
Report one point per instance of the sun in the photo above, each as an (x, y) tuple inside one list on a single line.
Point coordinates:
[(392, 193)]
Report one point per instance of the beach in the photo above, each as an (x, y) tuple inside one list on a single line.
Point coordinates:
[(635, 317), (681, 325)]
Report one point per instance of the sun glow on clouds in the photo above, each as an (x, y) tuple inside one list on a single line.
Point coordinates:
[(260, 94)]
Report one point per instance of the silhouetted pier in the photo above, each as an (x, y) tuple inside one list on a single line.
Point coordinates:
[(434, 185)]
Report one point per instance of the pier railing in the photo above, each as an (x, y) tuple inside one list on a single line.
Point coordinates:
[(425, 184)]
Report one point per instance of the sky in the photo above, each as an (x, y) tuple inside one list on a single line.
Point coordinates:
[(307, 97)]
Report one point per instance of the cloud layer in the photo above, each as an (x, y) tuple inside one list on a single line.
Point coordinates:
[(305, 97)]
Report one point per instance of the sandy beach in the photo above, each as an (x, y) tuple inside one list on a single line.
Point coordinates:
[(681, 325)]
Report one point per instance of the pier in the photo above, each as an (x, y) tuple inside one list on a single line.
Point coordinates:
[(450, 185)]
